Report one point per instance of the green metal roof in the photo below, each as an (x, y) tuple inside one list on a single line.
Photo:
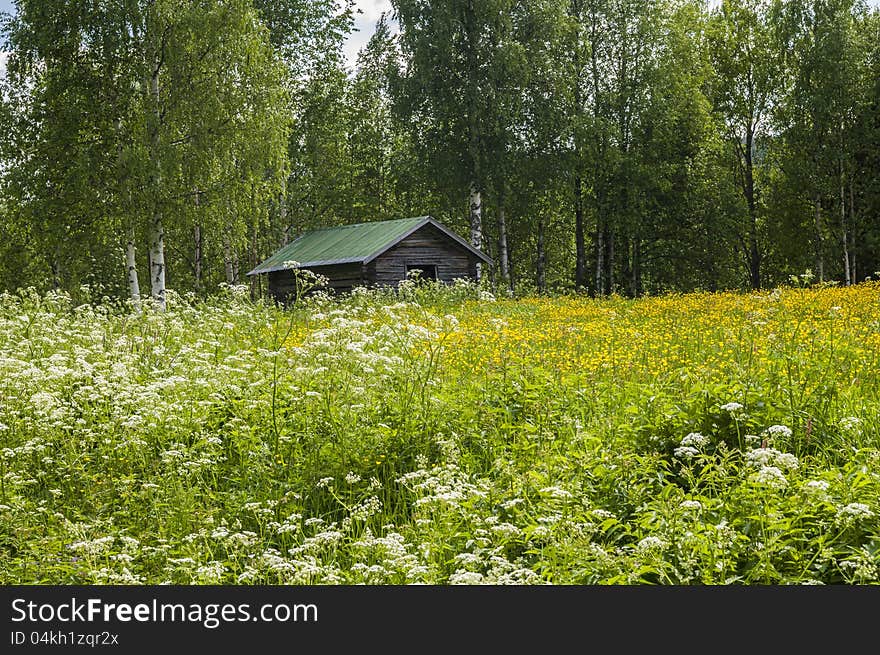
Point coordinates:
[(350, 244)]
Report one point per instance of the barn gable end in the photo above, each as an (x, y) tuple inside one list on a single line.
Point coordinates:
[(426, 246)]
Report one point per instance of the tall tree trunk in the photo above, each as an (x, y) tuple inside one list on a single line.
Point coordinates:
[(503, 258), (541, 263), (157, 232), (636, 272), (754, 250), (598, 185), (282, 211), (843, 227), (134, 287), (157, 261), (600, 258), (197, 256), (197, 241), (626, 273), (817, 238), (254, 261), (56, 268), (609, 269), (580, 268), (852, 231), (131, 272), (474, 131), (229, 261), (476, 221)]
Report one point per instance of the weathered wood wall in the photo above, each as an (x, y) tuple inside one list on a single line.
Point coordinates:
[(343, 277), (425, 246)]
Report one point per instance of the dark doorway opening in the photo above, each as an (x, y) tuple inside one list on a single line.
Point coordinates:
[(426, 271)]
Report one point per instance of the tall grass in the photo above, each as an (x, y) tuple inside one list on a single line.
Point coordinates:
[(442, 436)]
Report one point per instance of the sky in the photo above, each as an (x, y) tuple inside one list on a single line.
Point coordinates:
[(365, 24)]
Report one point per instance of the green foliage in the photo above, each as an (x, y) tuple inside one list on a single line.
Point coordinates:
[(441, 436), (625, 147)]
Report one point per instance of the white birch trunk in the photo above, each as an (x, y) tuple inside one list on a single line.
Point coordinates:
[(197, 259), (157, 261), (157, 232), (282, 207), (229, 262), (134, 286), (503, 256), (131, 272), (476, 221)]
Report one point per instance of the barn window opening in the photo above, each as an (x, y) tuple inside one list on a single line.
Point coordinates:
[(426, 271)]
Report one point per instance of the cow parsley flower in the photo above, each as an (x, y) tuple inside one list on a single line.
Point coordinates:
[(770, 476), (695, 440), (686, 452), (779, 431), (772, 457), (855, 511), (736, 410), (650, 543), (556, 492), (461, 577)]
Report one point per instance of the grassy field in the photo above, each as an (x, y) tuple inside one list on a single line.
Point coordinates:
[(443, 437)]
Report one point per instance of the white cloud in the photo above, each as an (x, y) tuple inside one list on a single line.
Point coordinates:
[(364, 25), (3, 57), (372, 9)]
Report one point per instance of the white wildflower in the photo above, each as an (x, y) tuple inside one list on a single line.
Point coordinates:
[(695, 440), (556, 492), (770, 476), (461, 577), (772, 457), (212, 572), (779, 431), (650, 543), (855, 511), (686, 452), (468, 559)]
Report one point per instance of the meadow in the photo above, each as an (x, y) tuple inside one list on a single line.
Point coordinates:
[(442, 436)]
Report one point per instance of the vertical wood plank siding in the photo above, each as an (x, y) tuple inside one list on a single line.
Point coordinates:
[(424, 246)]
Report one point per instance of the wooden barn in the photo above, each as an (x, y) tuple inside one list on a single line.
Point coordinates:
[(378, 253)]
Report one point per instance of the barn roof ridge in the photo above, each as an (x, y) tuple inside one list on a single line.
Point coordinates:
[(336, 245)]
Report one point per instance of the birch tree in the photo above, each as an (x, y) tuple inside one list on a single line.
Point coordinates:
[(747, 79), (454, 51), (161, 97)]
